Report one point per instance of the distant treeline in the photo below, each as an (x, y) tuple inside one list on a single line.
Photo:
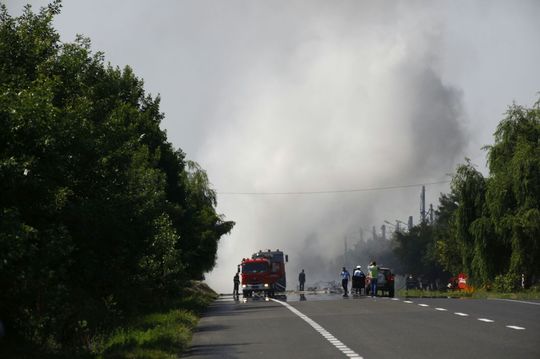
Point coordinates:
[(486, 227), (99, 215)]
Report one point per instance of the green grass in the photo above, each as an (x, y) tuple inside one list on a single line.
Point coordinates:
[(162, 334), (417, 293)]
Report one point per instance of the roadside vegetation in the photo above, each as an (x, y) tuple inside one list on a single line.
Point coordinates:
[(164, 333), (103, 223)]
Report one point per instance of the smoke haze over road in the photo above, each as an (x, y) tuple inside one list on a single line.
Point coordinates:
[(314, 95)]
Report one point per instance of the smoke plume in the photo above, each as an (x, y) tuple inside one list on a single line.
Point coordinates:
[(350, 99)]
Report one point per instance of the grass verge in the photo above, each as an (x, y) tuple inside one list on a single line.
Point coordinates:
[(162, 334)]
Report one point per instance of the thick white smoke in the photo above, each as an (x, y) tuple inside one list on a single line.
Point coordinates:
[(347, 102)]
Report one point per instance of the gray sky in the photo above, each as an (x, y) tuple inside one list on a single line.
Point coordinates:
[(279, 96)]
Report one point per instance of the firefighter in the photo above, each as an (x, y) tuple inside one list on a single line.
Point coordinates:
[(236, 281), (358, 280), (301, 279), (345, 281)]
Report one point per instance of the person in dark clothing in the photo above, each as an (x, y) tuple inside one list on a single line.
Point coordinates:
[(302, 280), (358, 280), (345, 276), (236, 281)]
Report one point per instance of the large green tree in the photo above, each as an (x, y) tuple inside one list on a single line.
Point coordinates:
[(469, 187), (513, 193), (99, 214), (446, 249), (495, 228)]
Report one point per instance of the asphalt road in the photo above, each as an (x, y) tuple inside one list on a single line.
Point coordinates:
[(329, 326)]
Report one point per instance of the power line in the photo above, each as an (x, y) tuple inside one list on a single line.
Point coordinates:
[(331, 191)]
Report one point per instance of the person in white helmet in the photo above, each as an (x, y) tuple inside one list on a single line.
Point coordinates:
[(358, 281)]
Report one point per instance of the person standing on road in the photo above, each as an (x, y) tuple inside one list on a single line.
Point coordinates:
[(345, 281), (373, 273), (358, 280), (236, 281), (301, 279)]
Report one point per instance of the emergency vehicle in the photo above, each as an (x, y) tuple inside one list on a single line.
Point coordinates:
[(264, 273)]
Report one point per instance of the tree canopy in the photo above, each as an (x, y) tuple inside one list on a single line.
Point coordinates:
[(99, 213)]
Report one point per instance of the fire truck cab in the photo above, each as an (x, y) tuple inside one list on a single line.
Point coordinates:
[(264, 273)]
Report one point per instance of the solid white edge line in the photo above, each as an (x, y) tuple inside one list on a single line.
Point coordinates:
[(514, 300), (515, 327), (323, 332)]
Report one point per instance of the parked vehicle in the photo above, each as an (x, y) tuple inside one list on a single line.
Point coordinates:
[(264, 273), (411, 282), (385, 282)]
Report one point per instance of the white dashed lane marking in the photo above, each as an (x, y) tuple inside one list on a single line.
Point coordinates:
[(485, 320), (335, 342)]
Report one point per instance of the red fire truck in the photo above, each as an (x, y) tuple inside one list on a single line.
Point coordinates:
[(264, 273)]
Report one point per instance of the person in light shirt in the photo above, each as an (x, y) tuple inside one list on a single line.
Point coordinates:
[(373, 273)]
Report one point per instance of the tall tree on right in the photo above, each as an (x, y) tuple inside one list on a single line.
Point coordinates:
[(513, 190)]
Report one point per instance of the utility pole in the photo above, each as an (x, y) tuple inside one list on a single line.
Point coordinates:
[(423, 205), (410, 224), (431, 213), (383, 230), (374, 233)]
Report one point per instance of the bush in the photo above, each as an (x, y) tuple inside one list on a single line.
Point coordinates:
[(507, 283)]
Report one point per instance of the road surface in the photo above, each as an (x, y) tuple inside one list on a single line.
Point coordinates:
[(329, 326)]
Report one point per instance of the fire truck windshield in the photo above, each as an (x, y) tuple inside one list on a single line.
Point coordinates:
[(254, 267)]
